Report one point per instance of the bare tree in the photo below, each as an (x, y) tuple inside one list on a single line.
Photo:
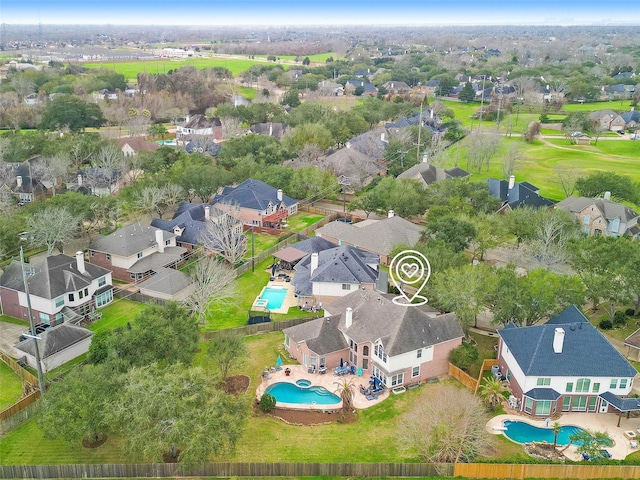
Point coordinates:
[(514, 155), (5, 146), (553, 231), (596, 130), (157, 199), (566, 177), (448, 427), (212, 283), (52, 227), (481, 147), (49, 170), (224, 234)]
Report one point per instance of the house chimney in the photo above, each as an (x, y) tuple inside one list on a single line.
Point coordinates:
[(512, 182), (160, 240), (607, 195), (348, 319), (314, 262), (383, 137), (18, 181), (390, 214), (79, 180), (279, 195), (80, 262), (207, 212), (558, 340), (271, 129), (431, 114)]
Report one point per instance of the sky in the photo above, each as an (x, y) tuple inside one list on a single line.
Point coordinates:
[(320, 12)]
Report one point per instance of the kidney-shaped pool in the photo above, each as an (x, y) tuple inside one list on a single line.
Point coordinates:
[(285, 392)]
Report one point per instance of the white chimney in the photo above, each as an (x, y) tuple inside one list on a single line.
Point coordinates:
[(512, 182), (207, 212), (348, 319), (160, 240), (314, 262), (279, 195), (80, 262), (19, 181), (383, 137), (558, 340), (79, 180), (390, 213), (431, 114), (607, 195), (270, 129)]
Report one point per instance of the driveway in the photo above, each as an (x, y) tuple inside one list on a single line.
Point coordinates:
[(9, 335)]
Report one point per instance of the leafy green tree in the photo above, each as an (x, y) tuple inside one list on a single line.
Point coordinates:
[(454, 231), (227, 352), (167, 335), (467, 94), (203, 180), (291, 98), (70, 111), (262, 148), (177, 414), (447, 83), (493, 390), (306, 61), (267, 402), (464, 356), (589, 442), (556, 427), (621, 187), (404, 196), (520, 223), (307, 134), (158, 130), (312, 183), (76, 406), (368, 202)]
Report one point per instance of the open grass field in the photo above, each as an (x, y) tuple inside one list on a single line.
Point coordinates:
[(10, 386)]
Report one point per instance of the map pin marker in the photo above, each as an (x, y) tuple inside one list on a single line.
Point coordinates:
[(410, 268)]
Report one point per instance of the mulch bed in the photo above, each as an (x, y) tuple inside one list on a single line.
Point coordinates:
[(309, 417), (236, 384), (87, 444)]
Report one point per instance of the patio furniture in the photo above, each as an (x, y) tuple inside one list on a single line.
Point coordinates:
[(311, 369), (371, 397), (633, 444), (287, 371), (322, 370)]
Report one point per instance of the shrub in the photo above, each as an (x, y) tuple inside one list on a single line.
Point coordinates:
[(620, 319), (605, 324), (464, 356), (267, 402), (629, 312)]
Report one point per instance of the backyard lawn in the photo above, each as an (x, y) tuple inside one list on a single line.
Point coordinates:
[(11, 383), (118, 313)]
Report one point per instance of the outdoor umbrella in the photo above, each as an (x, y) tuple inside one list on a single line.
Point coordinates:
[(278, 361)]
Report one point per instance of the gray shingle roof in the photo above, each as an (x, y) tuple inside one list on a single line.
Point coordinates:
[(129, 240), (52, 277), (522, 194), (252, 194), (168, 281), (378, 236), (322, 335), (430, 173), (610, 209), (585, 352), (54, 340)]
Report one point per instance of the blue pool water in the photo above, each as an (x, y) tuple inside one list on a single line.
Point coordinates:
[(303, 383), (274, 296), (522, 432), (291, 393), (171, 143)]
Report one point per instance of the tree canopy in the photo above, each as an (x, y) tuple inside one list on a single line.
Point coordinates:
[(70, 111)]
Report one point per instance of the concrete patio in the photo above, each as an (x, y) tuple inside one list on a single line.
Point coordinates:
[(327, 380), (590, 421)]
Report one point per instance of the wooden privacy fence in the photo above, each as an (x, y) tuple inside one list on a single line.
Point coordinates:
[(463, 377), (498, 470), (159, 470), (254, 329), (16, 367), (487, 363), (21, 404)]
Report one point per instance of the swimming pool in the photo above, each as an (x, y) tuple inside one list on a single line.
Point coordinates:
[(522, 432), (290, 393), (171, 143), (274, 297)]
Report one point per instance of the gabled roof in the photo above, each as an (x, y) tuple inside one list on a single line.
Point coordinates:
[(522, 194), (168, 281), (430, 174), (585, 351), (252, 194), (52, 276), (377, 236), (271, 129), (609, 209), (633, 115), (54, 340), (129, 240), (314, 244), (138, 144), (190, 218), (199, 121), (571, 314), (322, 335)]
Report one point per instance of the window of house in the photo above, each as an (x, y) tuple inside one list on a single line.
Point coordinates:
[(614, 383), (86, 292), (80, 295), (592, 403), (623, 383), (91, 253), (132, 276), (104, 298), (566, 404), (419, 353), (167, 242), (582, 385), (60, 301), (544, 382), (528, 404), (415, 372), (579, 404), (139, 254), (102, 281), (569, 387), (44, 318), (365, 363), (543, 407), (58, 317), (397, 379), (596, 387), (365, 351), (586, 220), (346, 286), (286, 340), (108, 256), (71, 297), (615, 225)]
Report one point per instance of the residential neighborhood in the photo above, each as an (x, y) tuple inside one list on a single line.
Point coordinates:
[(243, 247)]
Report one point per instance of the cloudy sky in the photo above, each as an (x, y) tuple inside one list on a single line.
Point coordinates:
[(320, 12)]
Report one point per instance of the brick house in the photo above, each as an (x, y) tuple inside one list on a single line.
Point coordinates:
[(601, 216), (61, 288), (199, 125), (398, 345)]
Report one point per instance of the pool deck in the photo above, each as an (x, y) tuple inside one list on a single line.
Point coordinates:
[(290, 299), (327, 380), (590, 421)]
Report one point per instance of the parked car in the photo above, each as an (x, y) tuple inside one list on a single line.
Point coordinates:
[(39, 328)]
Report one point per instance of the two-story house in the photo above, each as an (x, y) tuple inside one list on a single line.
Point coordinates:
[(607, 119), (601, 216), (397, 345), (516, 194), (61, 288), (256, 203), (199, 125), (135, 252), (565, 365)]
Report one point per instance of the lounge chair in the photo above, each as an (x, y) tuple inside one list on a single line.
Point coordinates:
[(586, 457), (371, 397), (633, 444)]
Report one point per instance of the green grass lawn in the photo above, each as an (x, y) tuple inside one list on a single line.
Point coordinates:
[(11, 386), (118, 313), (302, 220), (14, 320)]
